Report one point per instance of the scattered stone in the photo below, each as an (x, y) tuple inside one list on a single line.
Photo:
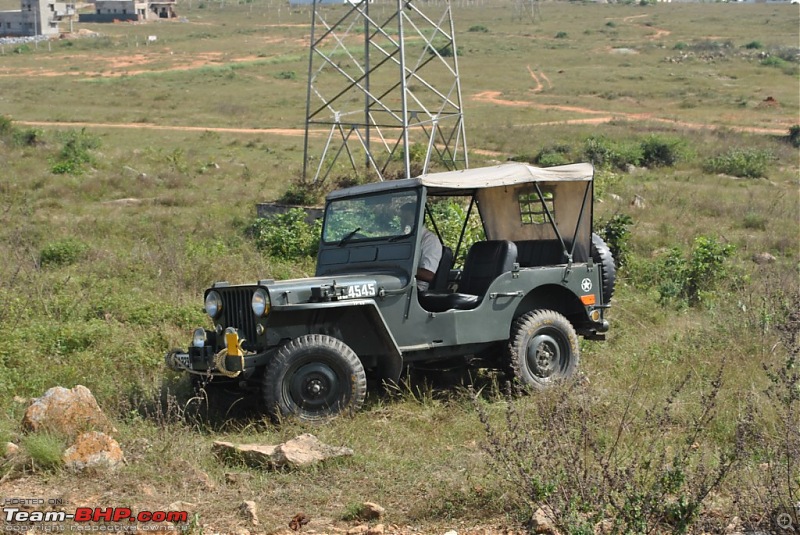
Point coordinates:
[(181, 506), (376, 530), (249, 512), (604, 527), (67, 412), (302, 450), (21, 400), (128, 201), (193, 477), (638, 202), (298, 521), (614, 197), (734, 526), (93, 451), (763, 258), (10, 449), (371, 511), (451, 532), (542, 521), (361, 528), (235, 478)]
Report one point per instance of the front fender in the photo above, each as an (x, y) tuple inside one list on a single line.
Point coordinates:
[(358, 322)]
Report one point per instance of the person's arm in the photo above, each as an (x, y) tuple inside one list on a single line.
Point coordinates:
[(431, 255), (425, 275)]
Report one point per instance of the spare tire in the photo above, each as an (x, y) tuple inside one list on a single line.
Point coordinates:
[(602, 256)]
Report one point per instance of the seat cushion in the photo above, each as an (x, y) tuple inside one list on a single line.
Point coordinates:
[(486, 261), (439, 302)]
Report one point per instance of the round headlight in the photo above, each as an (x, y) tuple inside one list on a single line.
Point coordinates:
[(199, 338), (213, 304), (260, 303)]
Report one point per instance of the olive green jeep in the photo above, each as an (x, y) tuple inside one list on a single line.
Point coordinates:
[(518, 303)]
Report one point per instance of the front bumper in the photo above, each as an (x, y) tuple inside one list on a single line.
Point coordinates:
[(209, 361)]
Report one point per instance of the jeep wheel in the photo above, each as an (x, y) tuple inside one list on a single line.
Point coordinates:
[(543, 348), (601, 255), (314, 377)]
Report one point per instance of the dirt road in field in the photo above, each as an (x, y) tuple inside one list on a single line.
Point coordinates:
[(604, 116)]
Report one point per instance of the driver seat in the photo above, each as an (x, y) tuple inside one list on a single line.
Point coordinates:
[(485, 261)]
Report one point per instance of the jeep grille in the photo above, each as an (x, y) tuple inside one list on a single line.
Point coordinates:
[(237, 312)]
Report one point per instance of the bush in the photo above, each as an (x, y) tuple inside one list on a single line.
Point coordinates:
[(75, 152), (62, 253), (774, 61), (553, 155), (746, 163), (286, 75), (794, 135), (562, 35), (478, 28), (6, 125), (287, 235), (661, 152), (301, 193), (616, 234), (641, 471), (603, 152), (754, 45), (693, 280)]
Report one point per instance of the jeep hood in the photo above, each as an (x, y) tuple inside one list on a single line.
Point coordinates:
[(332, 288)]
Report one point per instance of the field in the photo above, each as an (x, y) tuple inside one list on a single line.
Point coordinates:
[(130, 174)]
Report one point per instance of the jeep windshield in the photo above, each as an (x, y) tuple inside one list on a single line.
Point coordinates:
[(369, 217)]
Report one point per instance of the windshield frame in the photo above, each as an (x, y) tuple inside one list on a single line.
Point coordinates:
[(364, 223)]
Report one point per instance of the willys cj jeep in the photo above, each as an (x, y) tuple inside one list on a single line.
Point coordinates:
[(518, 303)]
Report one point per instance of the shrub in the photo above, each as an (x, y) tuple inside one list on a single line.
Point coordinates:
[(561, 35), (615, 232), (478, 28), (553, 155), (604, 152), (794, 135), (773, 61), (6, 125), (776, 483), (692, 280), (746, 163), (754, 221), (650, 471), (62, 253), (754, 45), (286, 235), (286, 75), (28, 137), (75, 152), (302, 193), (661, 152)]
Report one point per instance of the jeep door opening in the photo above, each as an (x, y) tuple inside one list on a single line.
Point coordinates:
[(518, 303)]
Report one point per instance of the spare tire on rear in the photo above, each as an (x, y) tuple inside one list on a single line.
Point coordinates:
[(602, 256)]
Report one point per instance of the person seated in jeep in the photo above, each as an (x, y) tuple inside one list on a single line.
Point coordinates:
[(431, 247)]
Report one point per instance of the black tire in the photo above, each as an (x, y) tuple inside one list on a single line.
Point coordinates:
[(314, 377), (602, 256), (543, 348)]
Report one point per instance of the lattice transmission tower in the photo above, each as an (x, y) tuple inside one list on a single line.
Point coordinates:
[(383, 86)]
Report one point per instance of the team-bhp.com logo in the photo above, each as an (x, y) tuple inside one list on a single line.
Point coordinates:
[(15, 516)]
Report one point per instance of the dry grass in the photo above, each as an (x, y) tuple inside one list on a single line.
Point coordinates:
[(134, 289)]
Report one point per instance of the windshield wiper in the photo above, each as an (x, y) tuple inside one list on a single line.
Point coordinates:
[(348, 237)]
